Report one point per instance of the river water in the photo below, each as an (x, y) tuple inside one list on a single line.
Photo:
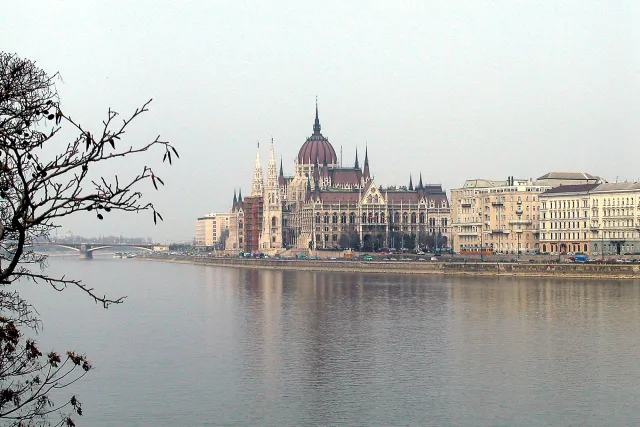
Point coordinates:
[(195, 345)]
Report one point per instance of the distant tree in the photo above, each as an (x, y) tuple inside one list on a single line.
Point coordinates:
[(44, 179), (222, 241), (354, 240), (344, 240)]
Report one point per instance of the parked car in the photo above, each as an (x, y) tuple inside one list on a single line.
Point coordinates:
[(368, 258)]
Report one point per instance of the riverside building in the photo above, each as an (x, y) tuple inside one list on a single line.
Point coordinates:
[(597, 219), (496, 216), (211, 229), (326, 205)]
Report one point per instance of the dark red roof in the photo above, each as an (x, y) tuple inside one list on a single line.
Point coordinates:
[(345, 176), (339, 196), (317, 147)]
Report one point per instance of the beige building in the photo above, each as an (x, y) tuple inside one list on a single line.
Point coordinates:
[(211, 228), (596, 219), (565, 225), (496, 216)]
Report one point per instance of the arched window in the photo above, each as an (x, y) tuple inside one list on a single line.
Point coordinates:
[(343, 218), (273, 221), (376, 217), (364, 218), (413, 218), (334, 218), (396, 217), (326, 217), (317, 218), (352, 218), (405, 218), (421, 217), (382, 218)]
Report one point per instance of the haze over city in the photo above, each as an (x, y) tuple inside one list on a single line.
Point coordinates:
[(455, 91)]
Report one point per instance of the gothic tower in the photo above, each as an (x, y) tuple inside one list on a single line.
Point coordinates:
[(271, 237), (258, 185)]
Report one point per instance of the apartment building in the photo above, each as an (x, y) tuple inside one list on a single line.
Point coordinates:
[(496, 216), (597, 219), (565, 224), (211, 229)]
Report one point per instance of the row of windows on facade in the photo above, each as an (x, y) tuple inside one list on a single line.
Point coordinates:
[(525, 236), (380, 218), (594, 212), (564, 204), (576, 224), (602, 235), (527, 208), (502, 217)]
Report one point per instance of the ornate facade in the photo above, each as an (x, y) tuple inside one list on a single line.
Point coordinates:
[(325, 205)]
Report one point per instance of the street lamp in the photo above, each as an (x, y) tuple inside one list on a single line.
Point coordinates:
[(519, 231)]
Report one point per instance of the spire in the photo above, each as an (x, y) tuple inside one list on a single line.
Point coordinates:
[(420, 186), (316, 171), (257, 186), (240, 195), (356, 165), (281, 173), (235, 199), (316, 126), (272, 171), (410, 183), (366, 173)]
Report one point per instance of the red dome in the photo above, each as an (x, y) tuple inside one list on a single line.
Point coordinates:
[(317, 146)]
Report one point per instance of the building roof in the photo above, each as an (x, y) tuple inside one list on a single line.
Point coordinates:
[(578, 188), (350, 176), (482, 183), (339, 196), (617, 186), (569, 175)]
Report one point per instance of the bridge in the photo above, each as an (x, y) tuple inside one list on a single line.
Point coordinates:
[(87, 249)]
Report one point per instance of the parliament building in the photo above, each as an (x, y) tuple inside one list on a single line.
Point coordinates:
[(324, 205)]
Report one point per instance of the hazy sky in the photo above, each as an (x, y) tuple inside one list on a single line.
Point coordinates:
[(456, 90)]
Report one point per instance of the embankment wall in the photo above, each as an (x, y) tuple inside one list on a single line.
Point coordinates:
[(569, 270)]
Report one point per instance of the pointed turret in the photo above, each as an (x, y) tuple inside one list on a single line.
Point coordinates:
[(272, 176), (316, 125), (281, 172), (240, 196), (410, 183), (235, 201), (420, 186), (258, 183), (356, 164), (366, 175)]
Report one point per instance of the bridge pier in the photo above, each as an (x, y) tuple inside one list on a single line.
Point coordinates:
[(85, 253)]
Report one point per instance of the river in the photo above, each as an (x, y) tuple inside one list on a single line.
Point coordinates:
[(208, 346)]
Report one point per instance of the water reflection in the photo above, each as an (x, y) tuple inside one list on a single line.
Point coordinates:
[(324, 348)]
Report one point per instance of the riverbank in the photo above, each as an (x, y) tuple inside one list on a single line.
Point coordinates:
[(565, 270)]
